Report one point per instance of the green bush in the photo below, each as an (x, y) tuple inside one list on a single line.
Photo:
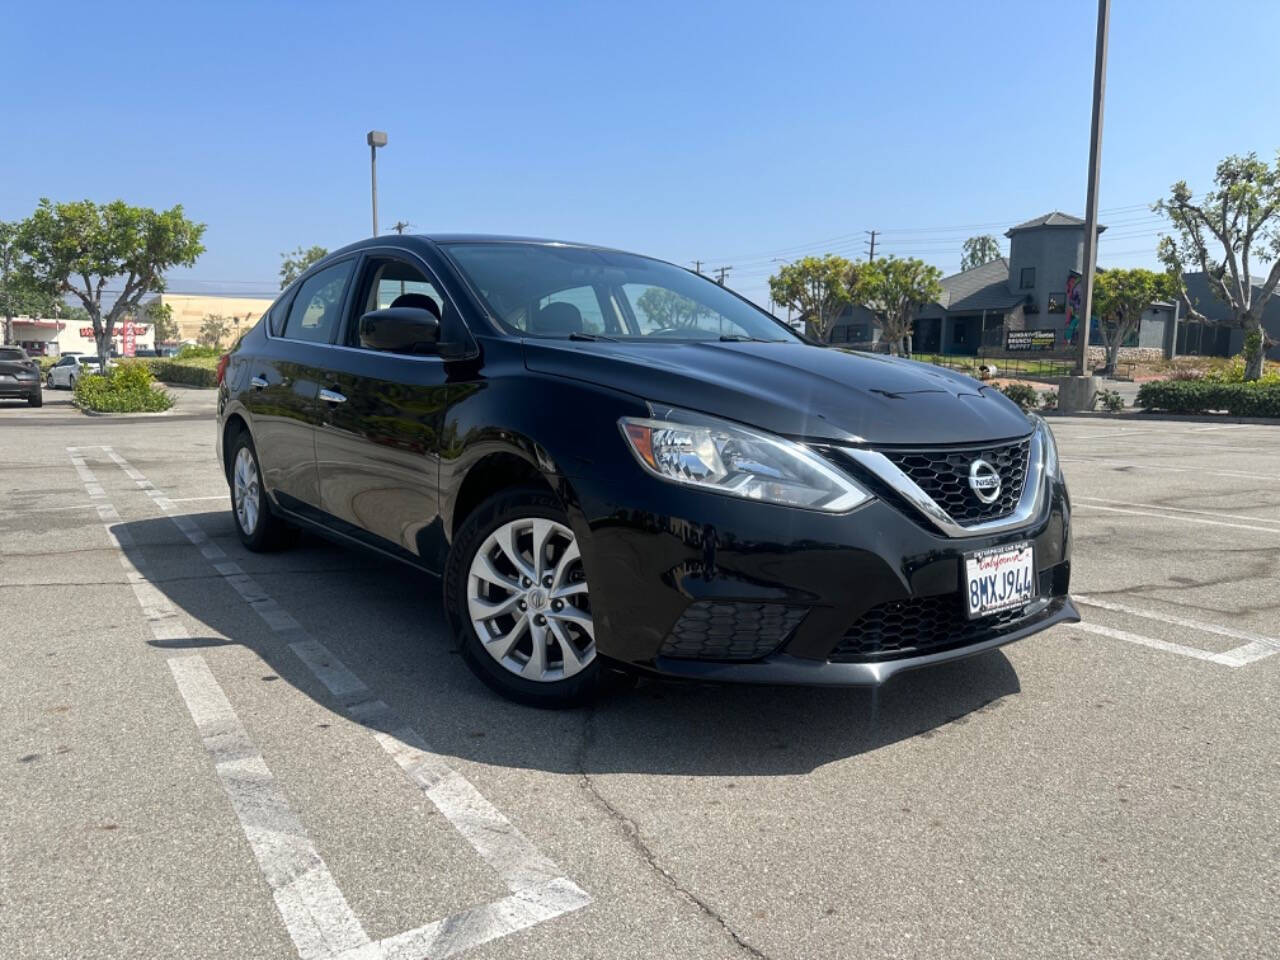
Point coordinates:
[(191, 371), (1023, 394), (1258, 399), (127, 388), (1049, 400), (191, 352), (1111, 401)]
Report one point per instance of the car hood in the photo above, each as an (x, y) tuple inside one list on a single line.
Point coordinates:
[(793, 389)]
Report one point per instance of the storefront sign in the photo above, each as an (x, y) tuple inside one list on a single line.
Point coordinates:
[(1027, 341)]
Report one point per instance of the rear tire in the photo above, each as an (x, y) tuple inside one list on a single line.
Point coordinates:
[(513, 629), (36, 399), (259, 529)]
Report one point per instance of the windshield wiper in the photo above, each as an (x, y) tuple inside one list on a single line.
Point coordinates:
[(742, 338), (580, 335)]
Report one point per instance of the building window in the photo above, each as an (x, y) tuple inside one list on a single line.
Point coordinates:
[(1057, 303), (1028, 278)]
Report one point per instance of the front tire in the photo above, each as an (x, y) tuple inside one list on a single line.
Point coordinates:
[(516, 595), (35, 399), (258, 527)]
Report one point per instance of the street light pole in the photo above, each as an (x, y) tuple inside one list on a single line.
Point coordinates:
[(375, 139), (1091, 201)]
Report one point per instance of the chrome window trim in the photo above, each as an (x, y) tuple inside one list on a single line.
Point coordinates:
[(1029, 506)]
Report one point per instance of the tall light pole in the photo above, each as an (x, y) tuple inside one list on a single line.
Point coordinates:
[(375, 139), (1091, 201)]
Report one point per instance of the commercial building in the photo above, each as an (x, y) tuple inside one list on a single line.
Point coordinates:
[(190, 310)]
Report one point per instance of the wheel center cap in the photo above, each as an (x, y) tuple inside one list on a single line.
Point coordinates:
[(536, 598)]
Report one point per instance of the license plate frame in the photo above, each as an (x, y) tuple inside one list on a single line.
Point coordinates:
[(1006, 574)]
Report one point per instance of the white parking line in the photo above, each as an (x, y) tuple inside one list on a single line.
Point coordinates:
[(539, 891), (1255, 648), (1199, 471), (1166, 516), (314, 911), (1163, 507)]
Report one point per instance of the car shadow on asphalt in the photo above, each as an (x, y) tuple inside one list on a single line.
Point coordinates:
[(384, 622)]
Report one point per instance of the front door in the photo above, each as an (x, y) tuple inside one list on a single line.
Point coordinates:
[(377, 451)]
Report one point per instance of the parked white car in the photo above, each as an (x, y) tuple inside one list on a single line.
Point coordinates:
[(71, 367)]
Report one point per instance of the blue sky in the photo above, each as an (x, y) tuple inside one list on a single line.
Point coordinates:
[(732, 133)]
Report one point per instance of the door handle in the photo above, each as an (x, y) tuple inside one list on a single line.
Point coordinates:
[(258, 383), (332, 396)]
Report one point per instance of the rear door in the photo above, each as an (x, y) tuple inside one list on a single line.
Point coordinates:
[(284, 383), (377, 451)]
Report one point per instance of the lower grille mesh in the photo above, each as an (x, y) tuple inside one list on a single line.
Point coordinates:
[(920, 625), (710, 630)]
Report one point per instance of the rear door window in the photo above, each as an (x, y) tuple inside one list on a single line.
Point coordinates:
[(317, 308)]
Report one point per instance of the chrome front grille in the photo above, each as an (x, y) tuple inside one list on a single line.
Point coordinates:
[(943, 475)]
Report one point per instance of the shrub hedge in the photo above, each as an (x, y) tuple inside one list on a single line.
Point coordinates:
[(126, 389), (193, 371), (1023, 394), (1258, 399)]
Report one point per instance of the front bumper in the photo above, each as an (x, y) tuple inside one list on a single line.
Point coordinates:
[(660, 556)]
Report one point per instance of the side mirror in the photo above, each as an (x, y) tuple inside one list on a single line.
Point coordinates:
[(400, 329)]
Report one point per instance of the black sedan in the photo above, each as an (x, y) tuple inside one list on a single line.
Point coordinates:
[(613, 462), (19, 376)]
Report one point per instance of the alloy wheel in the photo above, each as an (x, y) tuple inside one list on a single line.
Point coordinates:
[(528, 602), (246, 492)]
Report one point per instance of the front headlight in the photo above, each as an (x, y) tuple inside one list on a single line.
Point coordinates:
[(715, 455), (1051, 463)]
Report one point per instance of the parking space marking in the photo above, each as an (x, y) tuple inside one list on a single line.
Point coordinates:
[(314, 911), (1256, 646), (1165, 516), (1199, 471), (1201, 513), (539, 890)]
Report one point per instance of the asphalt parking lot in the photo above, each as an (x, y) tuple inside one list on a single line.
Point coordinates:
[(210, 753)]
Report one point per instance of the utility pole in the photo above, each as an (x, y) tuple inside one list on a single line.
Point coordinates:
[(697, 267), (1091, 201), (722, 271), (375, 139), (871, 255), (400, 226)]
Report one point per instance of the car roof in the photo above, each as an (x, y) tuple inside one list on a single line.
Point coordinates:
[(450, 238)]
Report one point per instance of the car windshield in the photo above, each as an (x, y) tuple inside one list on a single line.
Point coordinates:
[(11, 353), (550, 290)]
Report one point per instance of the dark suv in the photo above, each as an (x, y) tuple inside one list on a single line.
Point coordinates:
[(611, 462)]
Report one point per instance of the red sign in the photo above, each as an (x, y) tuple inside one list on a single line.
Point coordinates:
[(130, 339)]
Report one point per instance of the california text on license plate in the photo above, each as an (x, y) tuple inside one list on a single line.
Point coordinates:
[(999, 579)]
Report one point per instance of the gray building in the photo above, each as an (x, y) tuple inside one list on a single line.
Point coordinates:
[(1028, 291)]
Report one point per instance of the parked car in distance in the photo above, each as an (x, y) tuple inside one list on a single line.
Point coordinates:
[(71, 367), (145, 352), (19, 376), (612, 462)]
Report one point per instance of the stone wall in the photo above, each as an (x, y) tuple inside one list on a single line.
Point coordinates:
[(1098, 355)]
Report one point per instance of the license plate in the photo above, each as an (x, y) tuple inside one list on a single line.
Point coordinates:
[(999, 579)]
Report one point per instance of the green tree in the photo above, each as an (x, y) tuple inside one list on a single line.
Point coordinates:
[(78, 247), (818, 288), (894, 288), (1238, 219), (18, 295), (979, 250), (293, 265), (668, 309), (1120, 297), (160, 316), (212, 330)]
